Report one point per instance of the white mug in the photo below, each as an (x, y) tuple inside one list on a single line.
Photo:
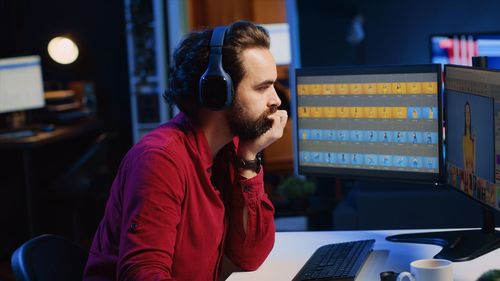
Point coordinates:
[(429, 270)]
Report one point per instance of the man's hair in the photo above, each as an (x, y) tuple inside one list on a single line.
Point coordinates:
[(190, 60)]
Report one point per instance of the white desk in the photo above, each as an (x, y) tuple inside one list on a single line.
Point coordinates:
[(292, 249)]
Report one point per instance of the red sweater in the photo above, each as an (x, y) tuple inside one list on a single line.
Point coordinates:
[(172, 213)]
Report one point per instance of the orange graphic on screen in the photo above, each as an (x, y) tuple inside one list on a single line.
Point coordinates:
[(429, 88), (383, 88), (400, 112), (357, 112), (413, 88), (369, 88), (355, 89), (316, 111), (371, 112), (302, 89), (342, 89), (385, 112), (303, 111), (316, 89), (329, 112), (328, 89), (343, 112), (399, 88)]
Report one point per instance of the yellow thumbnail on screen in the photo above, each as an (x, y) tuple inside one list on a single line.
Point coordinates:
[(371, 112), (384, 112), (342, 89), (429, 88), (329, 89), (399, 112), (369, 88), (355, 89), (384, 88), (302, 89), (316, 89), (398, 88), (329, 112), (343, 112), (304, 111), (316, 111), (357, 112), (414, 87)]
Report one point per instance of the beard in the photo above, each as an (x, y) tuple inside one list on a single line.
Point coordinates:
[(246, 127)]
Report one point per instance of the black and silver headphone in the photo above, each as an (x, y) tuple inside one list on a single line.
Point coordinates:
[(215, 86)]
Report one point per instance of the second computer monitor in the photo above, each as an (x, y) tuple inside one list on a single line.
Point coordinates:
[(373, 121), (473, 132), (21, 84)]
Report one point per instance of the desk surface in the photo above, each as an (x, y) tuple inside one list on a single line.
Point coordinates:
[(292, 249), (60, 133)]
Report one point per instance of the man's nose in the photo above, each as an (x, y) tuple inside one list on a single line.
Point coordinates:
[(274, 99)]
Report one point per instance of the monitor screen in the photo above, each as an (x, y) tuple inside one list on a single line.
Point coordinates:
[(21, 84), (460, 48), (472, 105), (370, 121)]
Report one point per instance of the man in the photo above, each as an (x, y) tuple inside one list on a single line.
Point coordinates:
[(184, 195)]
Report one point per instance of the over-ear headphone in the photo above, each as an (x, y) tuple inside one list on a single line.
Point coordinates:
[(215, 86)]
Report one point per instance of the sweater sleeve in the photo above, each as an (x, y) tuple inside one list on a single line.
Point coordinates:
[(249, 250), (151, 212)]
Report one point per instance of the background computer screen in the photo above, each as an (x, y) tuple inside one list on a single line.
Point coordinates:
[(382, 121), (21, 84), (460, 48), (473, 133)]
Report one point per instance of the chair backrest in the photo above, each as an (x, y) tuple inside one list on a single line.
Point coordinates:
[(48, 257)]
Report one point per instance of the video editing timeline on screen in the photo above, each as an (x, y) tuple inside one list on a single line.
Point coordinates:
[(369, 121)]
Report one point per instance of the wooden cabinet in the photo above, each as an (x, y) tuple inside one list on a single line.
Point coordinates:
[(208, 13)]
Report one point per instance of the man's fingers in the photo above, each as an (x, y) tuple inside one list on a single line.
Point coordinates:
[(280, 117)]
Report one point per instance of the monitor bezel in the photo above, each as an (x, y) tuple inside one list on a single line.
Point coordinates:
[(345, 173), (447, 66)]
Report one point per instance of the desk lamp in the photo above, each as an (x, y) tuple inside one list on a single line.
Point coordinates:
[(62, 50)]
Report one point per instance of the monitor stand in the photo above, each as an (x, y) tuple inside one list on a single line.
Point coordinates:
[(461, 245)]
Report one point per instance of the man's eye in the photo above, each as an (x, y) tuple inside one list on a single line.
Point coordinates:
[(263, 88)]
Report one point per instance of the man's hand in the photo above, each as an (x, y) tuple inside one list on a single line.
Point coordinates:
[(249, 149)]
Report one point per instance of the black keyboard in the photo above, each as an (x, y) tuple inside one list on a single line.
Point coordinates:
[(339, 261)]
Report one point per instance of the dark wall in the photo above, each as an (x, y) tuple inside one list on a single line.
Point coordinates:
[(98, 28), (397, 32)]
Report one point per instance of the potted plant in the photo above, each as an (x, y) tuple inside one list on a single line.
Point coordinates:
[(492, 275), (296, 191)]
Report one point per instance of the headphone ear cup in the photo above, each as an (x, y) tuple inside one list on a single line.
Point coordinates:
[(215, 88), (216, 91)]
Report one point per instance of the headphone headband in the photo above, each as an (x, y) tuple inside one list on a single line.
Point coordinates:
[(215, 85)]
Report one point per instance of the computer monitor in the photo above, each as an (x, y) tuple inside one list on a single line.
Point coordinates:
[(472, 106), (370, 121), (459, 49), (21, 84)]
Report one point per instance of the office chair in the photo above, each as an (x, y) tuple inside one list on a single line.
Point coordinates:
[(83, 186), (48, 258)]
